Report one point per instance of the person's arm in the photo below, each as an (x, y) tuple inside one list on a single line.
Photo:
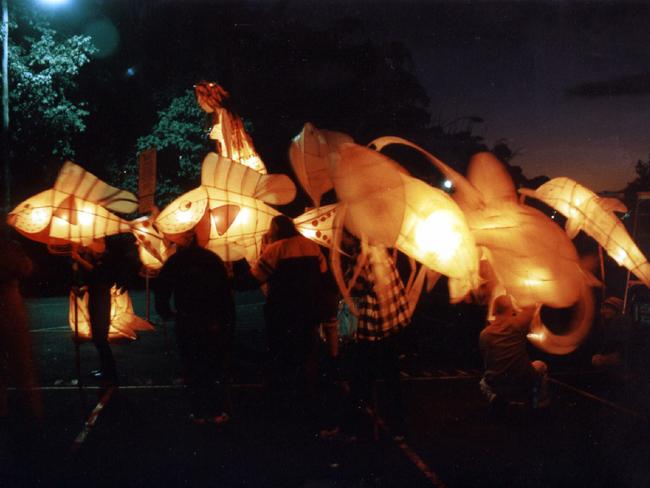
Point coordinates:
[(523, 317), (86, 264), (163, 290)]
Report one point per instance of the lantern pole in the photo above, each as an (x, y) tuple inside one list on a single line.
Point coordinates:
[(148, 302), (77, 347), (6, 169)]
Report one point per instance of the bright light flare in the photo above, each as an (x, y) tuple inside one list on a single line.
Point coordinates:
[(39, 216), (438, 234), (85, 217)]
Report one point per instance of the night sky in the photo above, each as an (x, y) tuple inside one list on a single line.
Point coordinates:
[(566, 85)]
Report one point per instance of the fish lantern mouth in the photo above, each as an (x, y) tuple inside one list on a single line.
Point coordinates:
[(558, 320)]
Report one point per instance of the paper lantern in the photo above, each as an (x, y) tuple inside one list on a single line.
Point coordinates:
[(227, 131), (228, 212), (318, 224), (153, 250), (74, 211), (124, 323), (529, 257), (390, 208), (594, 215), (313, 153)]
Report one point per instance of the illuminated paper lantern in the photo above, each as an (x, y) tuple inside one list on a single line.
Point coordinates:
[(152, 248), (123, 325), (228, 212), (312, 154), (318, 224), (529, 257), (232, 140), (74, 211), (594, 215), (390, 208)]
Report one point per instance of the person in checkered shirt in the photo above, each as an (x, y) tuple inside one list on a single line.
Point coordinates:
[(382, 308)]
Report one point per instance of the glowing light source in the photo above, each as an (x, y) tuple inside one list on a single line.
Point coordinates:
[(39, 216), (437, 234), (184, 214), (85, 217), (447, 184)]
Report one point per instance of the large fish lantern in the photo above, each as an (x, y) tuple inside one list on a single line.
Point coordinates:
[(75, 211), (529, 256), (229, 212), (385, 207), (595, 216), (228, 132), (383, 204)]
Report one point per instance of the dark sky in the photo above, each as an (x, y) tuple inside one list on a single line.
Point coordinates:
[(566, 84)]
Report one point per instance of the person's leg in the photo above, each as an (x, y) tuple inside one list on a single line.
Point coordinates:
[(389, 357), (99, 310), (541, 398)]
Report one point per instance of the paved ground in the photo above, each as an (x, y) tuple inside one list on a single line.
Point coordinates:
[(594, 434)]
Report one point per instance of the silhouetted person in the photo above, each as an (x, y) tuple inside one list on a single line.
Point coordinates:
[(16, 366), (291, 266), (382, 314), (616, 337), (205, 316), (509, 373), (102, 267)]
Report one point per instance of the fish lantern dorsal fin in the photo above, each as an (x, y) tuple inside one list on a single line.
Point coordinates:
[(74, 180), (230, 176)]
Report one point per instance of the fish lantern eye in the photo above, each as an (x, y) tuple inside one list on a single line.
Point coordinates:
[(184, 213)]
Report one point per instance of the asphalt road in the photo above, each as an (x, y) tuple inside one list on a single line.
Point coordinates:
[(595, 433)]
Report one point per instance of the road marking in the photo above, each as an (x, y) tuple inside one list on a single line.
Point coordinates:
[(132, 387), (598, 399), (92, 420), (404, 447), (53, 329)]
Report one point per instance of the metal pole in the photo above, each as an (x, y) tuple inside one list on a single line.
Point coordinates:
[(5, 110), (148, 302)]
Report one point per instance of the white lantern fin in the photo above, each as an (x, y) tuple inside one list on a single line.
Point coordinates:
[(74, 180)]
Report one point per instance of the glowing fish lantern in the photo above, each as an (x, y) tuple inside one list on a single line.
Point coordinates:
[(594, 215), (232, 140), (528, 255), (228, 212), (382, 203), (74, 211), (123, 325)]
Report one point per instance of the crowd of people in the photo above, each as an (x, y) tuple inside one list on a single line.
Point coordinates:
[(196, 289)]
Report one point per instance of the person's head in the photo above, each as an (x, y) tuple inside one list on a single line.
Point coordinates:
[(282, 227), (611, 307), (502, 306)]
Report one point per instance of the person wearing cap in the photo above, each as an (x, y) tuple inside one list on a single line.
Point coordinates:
[(509, 373), (616, 336)]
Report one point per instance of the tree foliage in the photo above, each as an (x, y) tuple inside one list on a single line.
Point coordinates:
[(180, 136), (44, 113), (640, 183)]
